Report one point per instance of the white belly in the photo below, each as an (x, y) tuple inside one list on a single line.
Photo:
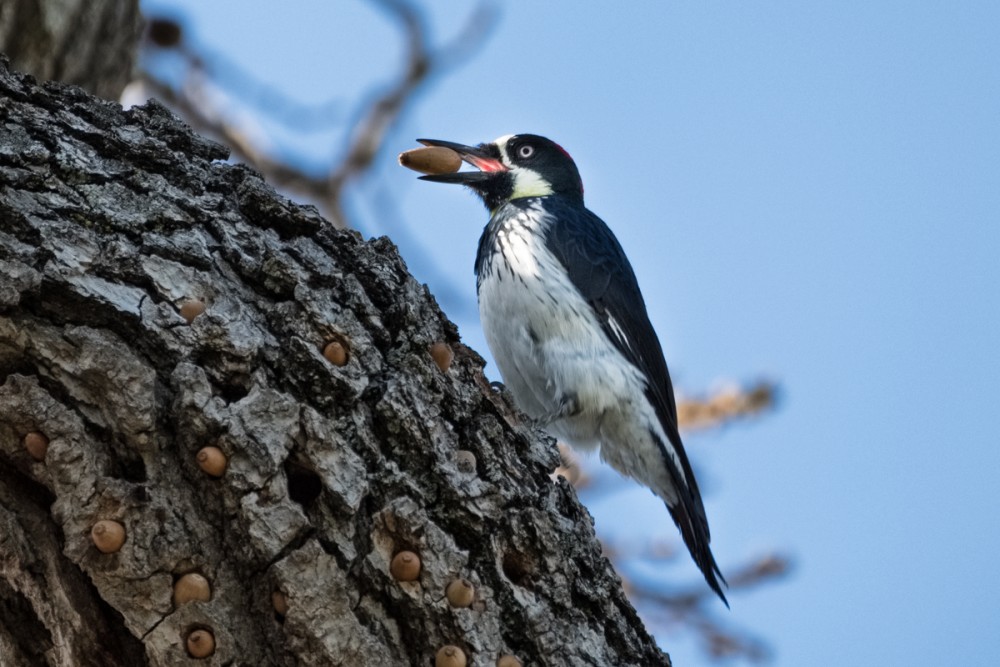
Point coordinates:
[(548, 344), (550, 350)]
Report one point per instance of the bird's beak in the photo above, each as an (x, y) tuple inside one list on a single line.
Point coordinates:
[(478, 156)]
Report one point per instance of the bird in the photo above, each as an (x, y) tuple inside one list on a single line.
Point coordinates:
[(567, 325)]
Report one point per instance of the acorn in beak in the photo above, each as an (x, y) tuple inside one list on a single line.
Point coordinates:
[(484, 157)]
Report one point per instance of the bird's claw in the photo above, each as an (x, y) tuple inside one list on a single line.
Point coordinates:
[(568, 407)]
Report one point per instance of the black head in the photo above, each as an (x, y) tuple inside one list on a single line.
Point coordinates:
[(512, 167)]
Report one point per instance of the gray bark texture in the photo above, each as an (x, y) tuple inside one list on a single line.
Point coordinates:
[(109, 220), (90, 43)]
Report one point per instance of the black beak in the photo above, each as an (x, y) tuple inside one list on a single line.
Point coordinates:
[(480, 157)]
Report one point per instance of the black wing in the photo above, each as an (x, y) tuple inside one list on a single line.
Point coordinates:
[(598, 267)]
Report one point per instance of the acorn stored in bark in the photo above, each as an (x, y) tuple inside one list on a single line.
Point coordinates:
[(37, 444), (465, 460), (335, 353), (108, 536), (200, 644), (192, 586), (212, 461), (405, 566), (460, 593), (191, 309), (443, 355), (280, 602), (450, 656)]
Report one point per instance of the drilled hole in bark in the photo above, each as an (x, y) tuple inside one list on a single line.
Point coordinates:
[(131, 470), (518, 568), (139, 493), (15, 366), (126, 464), (304, 486), (232, 393)]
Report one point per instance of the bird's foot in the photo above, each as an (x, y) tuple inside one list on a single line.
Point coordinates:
[(568, 407)]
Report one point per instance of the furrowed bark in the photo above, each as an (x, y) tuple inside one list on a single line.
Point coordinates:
[(109, 221)]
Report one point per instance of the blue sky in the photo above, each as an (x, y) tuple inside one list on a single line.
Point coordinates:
[(809, 192)]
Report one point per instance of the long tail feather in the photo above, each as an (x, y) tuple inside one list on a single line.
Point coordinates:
[(696, 540)]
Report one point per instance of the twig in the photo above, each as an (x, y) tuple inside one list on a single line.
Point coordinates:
[(692, 607), (726, 406), (376, 118)]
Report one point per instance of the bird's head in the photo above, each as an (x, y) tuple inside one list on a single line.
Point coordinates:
[(512, 167)]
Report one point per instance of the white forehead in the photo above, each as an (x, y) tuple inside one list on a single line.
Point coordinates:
[(501, 143)]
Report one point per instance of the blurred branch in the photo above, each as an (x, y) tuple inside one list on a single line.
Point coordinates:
[(692, 607), (421, 63), (196, 100), (726, 406)]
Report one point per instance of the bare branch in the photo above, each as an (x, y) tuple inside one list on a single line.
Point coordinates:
[(725, 406), (194, 99), (692, 607), (385, 111)]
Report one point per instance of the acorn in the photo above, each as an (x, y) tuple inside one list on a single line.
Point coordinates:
[(405, 566), (280, 602), (192, 586), (192, 308), (509, 661), (37, 444), (108, 536), (465, 460), (212, 461), (443, 355), (450, 656), (335, 353), (200, 644), (460, 593), (431, 160)]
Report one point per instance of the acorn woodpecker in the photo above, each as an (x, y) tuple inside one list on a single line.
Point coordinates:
[(567, 324)]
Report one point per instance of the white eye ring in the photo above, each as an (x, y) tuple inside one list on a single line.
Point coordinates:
[(526, 151)]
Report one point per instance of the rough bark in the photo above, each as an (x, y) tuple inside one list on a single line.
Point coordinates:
[(109, 220), (90, 43)]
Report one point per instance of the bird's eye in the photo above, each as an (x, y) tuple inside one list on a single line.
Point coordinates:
[(526, 151)]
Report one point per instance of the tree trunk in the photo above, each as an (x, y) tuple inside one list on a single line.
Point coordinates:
[(90, 43), (109, 221)]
